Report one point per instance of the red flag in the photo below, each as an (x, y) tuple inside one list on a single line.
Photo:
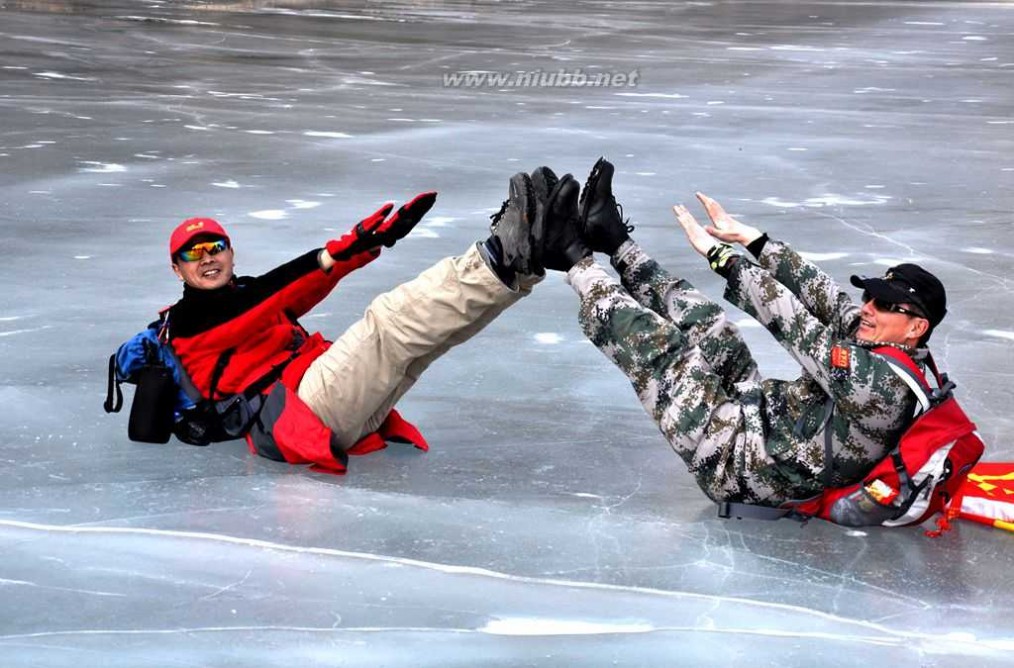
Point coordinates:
[(987, 496)]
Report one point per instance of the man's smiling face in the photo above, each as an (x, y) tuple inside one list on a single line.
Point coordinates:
[(209, 272)]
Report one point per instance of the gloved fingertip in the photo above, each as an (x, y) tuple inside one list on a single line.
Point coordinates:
[(383, 211)]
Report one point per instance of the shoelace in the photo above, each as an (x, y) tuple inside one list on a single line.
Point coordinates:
[(619, 207), (495, 218), (593, 178)]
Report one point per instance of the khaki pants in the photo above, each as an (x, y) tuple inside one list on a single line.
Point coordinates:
[(358, 380)]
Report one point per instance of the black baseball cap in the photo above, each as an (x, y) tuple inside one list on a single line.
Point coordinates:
[(908, 284)]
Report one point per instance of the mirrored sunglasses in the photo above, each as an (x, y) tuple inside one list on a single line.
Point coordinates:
[(886, 306), (197, 251)]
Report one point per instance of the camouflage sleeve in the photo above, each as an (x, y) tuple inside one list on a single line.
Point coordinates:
[(820, 293), (797, 329)]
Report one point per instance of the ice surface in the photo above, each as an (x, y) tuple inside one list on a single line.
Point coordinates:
[(550, 524)]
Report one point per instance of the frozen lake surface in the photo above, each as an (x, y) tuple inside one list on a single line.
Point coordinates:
[(550, 524)]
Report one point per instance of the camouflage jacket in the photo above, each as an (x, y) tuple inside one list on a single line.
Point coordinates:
[(844, 386)]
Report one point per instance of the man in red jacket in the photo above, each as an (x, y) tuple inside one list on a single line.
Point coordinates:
[(306, 400)]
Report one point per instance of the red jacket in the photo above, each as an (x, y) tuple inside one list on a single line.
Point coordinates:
[(229, 338)]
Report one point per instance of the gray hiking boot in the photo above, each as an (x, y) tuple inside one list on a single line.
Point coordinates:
[(601, 217), (509, 248)]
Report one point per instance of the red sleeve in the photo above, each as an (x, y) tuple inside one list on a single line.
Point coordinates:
[(319, 284)]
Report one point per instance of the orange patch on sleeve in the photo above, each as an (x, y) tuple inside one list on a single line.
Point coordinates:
[(841, 357)]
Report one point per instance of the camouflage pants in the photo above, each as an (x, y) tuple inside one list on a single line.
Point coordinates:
[(690, 368)]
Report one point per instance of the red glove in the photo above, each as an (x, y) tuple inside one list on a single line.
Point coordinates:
[(379, 230)]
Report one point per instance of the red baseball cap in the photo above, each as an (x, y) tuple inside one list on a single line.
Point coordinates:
[(190, 228)]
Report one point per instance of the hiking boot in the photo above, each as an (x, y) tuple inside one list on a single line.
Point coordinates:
[(563, 246), (508, 250), (601, 217), (543, 182)]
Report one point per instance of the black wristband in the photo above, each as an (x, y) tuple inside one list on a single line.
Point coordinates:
[(757, 245)]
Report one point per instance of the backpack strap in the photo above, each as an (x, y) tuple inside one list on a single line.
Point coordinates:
[(905, 368), (114, 395), (800, 510), (216, 373), (186, 384), (730, 509), (827, 474)]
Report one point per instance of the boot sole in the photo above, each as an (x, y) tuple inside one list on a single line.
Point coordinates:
[(530, 266), (544, 181), (590, 186)]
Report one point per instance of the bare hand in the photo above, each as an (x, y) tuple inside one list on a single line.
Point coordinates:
[(697, 235), (725, 227)]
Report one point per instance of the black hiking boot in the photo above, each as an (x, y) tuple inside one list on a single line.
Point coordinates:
[(601, 217), (543, 182), (509, 248), (563, 246)]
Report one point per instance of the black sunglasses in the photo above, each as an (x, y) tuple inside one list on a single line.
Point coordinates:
[(883, 306)]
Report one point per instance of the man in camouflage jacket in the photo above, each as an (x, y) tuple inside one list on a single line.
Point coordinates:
[(745, 438)]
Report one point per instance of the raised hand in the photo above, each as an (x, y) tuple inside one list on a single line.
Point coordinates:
[(697, 235), (378, 230), (725, 227), (360, 238), (404, 219)]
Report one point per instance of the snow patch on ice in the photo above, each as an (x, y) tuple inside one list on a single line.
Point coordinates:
[(269, 214), (60, 75), (823, 257), (548, 338), (328, 135), (999, 333), (978, 251), (101, 167), (438, 221), (24, 331), (226, 184), (829, 199), (153, 19), (420, 232), (794, 47), (302, 204)]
